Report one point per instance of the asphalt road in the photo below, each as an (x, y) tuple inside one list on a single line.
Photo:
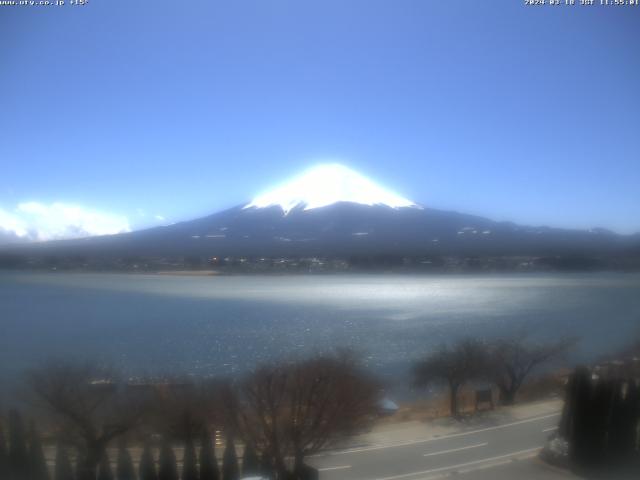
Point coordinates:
[(493, 451)]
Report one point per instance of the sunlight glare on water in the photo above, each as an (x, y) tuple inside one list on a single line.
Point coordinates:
[(228, 324)]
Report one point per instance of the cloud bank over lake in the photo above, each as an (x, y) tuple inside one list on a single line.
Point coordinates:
[(36, 221)]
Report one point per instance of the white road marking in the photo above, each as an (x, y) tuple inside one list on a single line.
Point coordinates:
[(487, 466), (456, 449), (465, 464), (433, 439), (549, 429), (326, 469)]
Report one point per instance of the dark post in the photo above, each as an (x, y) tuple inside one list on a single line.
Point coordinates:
[(63, 470), (18, 455), (168, 466), (37, 463), (250, 461), (189, 467), (147, 468), (208, 461), (3, 455), (124, 465), (104, 469), (230, 470)]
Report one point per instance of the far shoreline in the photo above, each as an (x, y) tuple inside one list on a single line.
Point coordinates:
[(186, 273), (325, 273)]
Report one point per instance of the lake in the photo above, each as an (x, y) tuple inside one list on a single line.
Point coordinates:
[(220, 325)]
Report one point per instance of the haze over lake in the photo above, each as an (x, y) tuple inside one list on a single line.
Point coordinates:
[(228, 324)]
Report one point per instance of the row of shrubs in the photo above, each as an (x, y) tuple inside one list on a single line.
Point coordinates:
[(22, 458)]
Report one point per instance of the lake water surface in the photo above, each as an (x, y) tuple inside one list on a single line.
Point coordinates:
[(228, 324)]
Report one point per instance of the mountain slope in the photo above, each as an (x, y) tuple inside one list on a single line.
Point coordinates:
[(340, 230)]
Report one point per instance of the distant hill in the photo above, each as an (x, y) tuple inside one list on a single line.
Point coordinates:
[(339, 230), (333, 212)]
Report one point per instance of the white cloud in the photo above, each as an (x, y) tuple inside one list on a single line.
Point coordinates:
[(35, 221), (12, 225), (160, 218)]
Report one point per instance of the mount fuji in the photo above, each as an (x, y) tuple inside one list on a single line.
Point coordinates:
[(331, 211), (326, 185)]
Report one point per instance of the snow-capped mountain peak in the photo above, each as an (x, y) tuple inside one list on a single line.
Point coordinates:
[(327, 184)]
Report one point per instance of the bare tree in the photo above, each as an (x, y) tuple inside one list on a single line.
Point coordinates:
[(626, 360), (182, 409), (294, 410), (511, 361), (227, 402), (453, 366), (84, 403)]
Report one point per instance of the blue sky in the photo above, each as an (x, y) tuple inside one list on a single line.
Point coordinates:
[(177, 109)]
